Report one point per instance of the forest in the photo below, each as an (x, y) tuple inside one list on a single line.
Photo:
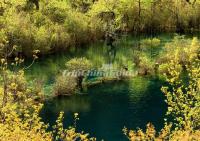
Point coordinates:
[(87, 70)]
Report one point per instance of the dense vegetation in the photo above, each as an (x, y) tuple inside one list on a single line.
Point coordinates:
[(182, 72), (32, 28), (52, 26), (20, 107)]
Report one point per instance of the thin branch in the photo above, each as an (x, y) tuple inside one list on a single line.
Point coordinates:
[(25, 68)]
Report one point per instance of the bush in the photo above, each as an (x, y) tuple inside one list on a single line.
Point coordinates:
[(78, 22), (144, 64), (81, 64), (183, 100), (65, 85), (19, 112), (56, 11), (165, 134), (181, 51), (148, 43)]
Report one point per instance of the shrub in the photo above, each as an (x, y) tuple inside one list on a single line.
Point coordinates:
[(144, 64), (165, 134), (19, 112), (180, 50), (183, 100), (81, 5), (57, 11), (146, 44), (65, 85), (81, 66)]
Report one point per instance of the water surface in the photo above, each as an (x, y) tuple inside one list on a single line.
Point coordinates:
[(106, 108)]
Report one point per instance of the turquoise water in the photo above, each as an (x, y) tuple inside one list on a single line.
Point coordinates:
[(104, 109), (107, 108), (47, 67)]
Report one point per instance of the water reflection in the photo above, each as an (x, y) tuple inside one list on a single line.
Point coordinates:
[(111, 54), (108, 107), (78, 103), (119, 54)]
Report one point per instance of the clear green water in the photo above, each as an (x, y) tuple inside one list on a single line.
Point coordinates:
[(99, 54), (106, 108)]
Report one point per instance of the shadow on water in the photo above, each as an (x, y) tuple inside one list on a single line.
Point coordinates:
[(107, 108), (111, 54)]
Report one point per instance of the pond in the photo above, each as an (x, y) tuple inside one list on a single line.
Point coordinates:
[(106, 108), (99, 54)]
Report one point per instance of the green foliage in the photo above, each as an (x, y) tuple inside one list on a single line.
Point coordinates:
[(149, 134), (182, 96), (58, 25), (56, 11), (144, 64), (69, 134), (184, 99), (19, 109), (71, 80), (54, 27), (148, 43), (165, 134), (81, 5), (77, 64), (180, 66), (65, 85), (181, 50)]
